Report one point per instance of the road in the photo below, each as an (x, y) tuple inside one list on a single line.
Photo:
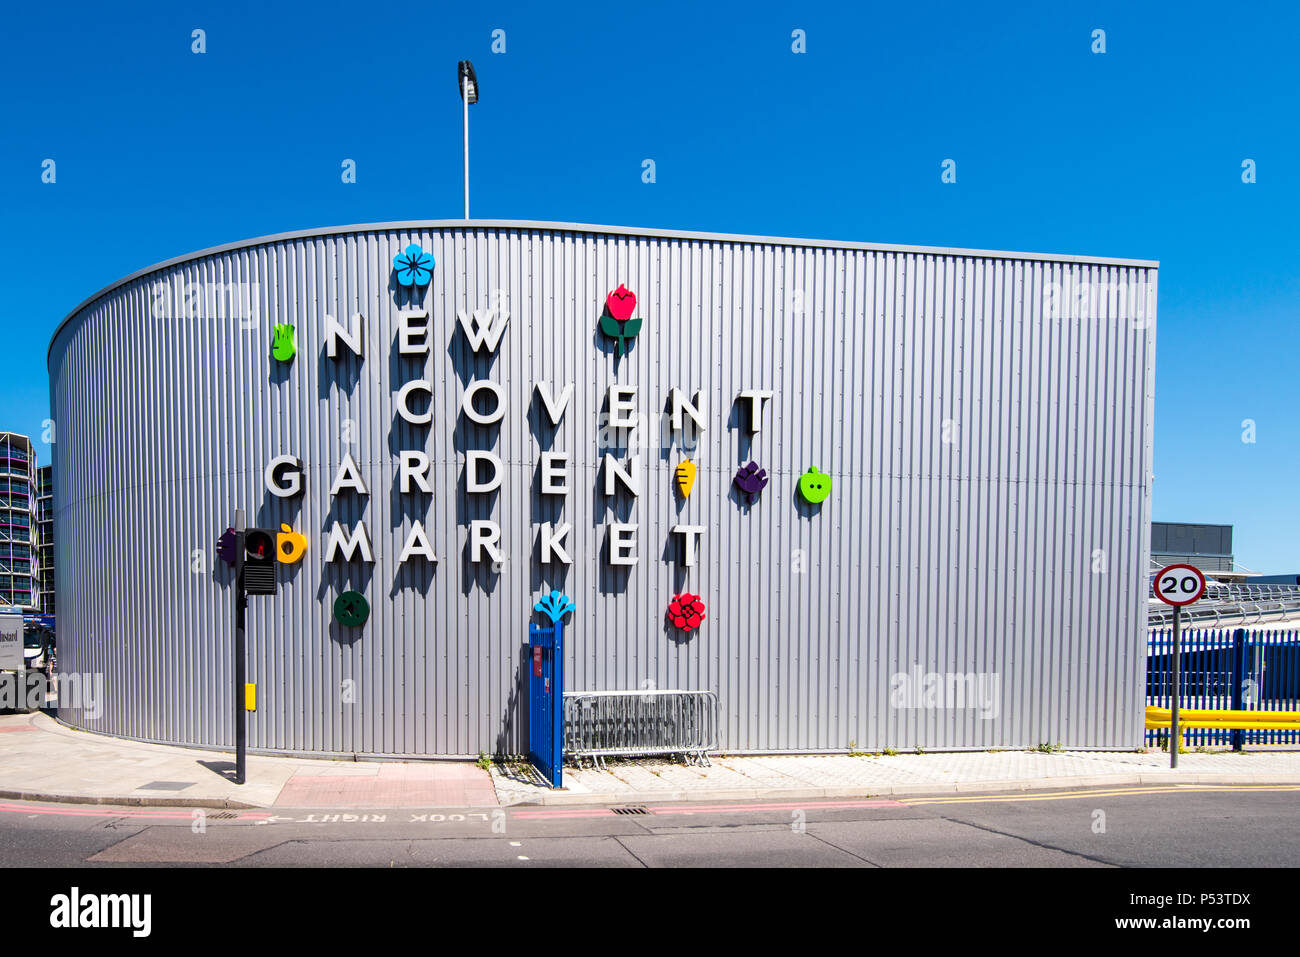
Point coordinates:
[(1174, 826)]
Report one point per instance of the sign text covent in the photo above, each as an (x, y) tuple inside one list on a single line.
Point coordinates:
[(484, 402)]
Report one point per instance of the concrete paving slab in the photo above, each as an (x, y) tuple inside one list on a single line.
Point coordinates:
[(776, 848), (930, 843), (464, 852)]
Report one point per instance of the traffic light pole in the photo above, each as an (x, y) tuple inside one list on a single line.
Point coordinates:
[(241, 652)]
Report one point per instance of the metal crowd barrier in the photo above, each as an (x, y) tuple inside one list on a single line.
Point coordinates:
[(602, 724), (1213, 613)]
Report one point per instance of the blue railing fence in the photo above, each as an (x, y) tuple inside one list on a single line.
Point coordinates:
[(1244, 669)]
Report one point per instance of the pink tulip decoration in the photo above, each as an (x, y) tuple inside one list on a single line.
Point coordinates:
[(617, 322)]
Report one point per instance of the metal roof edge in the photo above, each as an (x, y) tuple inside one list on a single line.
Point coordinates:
[(537, 226)]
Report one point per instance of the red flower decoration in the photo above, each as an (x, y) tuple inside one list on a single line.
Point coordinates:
[(621, 303), (686, 611)]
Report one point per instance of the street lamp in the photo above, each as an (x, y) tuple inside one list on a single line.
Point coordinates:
[(468, 94)]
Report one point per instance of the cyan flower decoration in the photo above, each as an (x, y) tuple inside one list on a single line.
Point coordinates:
[(414, 266), (554, 606)]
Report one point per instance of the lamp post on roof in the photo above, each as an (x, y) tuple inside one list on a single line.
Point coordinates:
[(468, 95)]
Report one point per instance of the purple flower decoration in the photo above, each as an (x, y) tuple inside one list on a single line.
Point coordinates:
[(751, 480), (226, 546), (414, 266)]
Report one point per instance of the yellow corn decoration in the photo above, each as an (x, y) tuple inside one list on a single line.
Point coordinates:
[(686, 477)]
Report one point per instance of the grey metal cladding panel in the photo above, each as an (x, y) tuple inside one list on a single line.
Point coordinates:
[(1191, 539), (1181, 538), (983, 455), (1203, 562), (1159, 537)]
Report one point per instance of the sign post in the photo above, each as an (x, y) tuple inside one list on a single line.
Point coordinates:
[(1177, 585), (241, 652)]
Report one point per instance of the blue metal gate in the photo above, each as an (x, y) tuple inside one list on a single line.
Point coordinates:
[(1229, 669), (545, 700)]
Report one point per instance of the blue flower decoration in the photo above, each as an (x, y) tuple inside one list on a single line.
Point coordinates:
[(554, 606), (414, 266)]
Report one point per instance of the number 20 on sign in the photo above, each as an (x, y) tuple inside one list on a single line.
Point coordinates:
[(1179, 585)]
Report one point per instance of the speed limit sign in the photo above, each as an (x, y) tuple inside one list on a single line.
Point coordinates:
[(1179, 584)]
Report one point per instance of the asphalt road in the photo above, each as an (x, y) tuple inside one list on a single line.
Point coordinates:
[(1180, 826)]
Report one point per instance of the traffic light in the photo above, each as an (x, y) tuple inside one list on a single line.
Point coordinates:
[(259, 561)]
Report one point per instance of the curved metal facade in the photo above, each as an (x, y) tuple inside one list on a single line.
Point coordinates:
[(989, 514)]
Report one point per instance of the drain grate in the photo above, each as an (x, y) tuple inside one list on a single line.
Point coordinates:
[(223, 816), (631, 809)]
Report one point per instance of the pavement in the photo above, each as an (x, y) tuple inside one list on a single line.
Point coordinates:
[(809, 777), (42, 760)]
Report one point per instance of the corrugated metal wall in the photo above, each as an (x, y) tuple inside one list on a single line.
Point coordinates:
[(990, 511)]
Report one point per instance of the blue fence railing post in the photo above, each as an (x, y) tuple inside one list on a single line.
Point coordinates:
[(546, 690), (1238, 682), (545, 701), (557, 705)]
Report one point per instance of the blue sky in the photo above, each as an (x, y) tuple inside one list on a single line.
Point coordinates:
[(1136, 152)]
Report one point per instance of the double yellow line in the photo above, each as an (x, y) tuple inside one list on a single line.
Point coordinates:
[(1098, 792)]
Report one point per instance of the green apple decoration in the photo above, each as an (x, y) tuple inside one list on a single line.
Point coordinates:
[(815, 486)]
